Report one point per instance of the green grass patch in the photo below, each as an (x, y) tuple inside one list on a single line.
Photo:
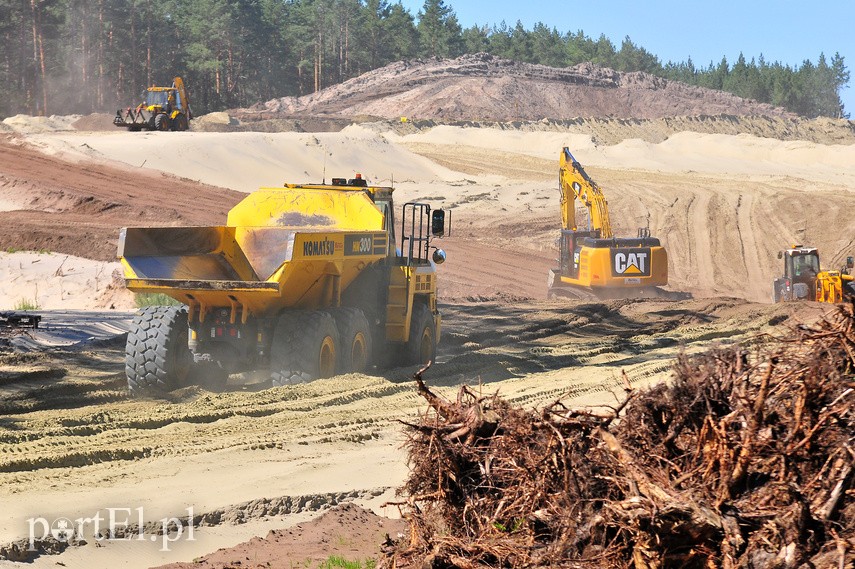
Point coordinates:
[(27, 304), (336, 562), (143, 299)]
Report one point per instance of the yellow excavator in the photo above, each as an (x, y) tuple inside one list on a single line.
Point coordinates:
[(803, 278), (164, 108), (593, 262)]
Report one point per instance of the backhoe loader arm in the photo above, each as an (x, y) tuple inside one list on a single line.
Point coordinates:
[(575, 183), (178, 83)]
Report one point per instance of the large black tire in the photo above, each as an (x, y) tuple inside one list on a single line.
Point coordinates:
[(180, 123), (421, 347), (304, 347), (355, 340), (161, 122), (157, 358)]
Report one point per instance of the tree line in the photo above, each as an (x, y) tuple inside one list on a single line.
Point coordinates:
[(81, 56)]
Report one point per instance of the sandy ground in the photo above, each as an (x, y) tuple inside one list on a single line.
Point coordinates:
[(722, 205), (73, 444), (252, 458)]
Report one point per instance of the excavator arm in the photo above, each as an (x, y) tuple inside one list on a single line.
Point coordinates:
[(574, 184)]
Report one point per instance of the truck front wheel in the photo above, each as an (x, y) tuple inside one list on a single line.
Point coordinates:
[(157, 358), (161, 122), (304, 347)]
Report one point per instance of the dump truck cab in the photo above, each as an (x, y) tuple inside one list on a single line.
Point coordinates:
[(308, 280)]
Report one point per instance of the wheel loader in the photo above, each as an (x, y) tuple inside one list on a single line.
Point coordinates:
[(306, 281), (593, 263), (164, 108), (804, 279)]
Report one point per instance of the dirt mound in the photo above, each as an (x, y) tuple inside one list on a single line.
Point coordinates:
[(30, 124), (745, 459), (348, 532), (484, 87), (95, 122)]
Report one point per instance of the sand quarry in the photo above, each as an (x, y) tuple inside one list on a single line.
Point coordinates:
[(253, 459)]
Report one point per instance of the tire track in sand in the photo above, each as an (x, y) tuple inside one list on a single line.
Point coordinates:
[(700, 231), (750, 247)]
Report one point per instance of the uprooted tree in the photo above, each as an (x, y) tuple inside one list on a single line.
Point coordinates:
[(745, 459)]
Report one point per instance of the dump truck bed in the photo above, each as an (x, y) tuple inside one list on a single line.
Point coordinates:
[(277, 249)]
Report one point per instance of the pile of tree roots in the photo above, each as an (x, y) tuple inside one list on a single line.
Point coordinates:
[(744, 459)]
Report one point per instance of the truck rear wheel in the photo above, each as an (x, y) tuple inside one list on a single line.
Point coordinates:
[(304, 347), (421, 347), (157, 358), (180, 123), (355, 336)]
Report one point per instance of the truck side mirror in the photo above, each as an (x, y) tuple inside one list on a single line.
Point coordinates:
[(850, 262), (437, 222)]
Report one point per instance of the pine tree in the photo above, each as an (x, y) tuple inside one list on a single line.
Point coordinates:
[(439, 31)]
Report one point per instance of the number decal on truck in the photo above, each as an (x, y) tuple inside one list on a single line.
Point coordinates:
[(358, 244)]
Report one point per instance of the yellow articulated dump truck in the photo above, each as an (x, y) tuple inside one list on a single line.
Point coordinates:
[(307, 281)]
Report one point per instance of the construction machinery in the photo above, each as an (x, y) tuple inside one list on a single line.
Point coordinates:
[(164, 108), (804, 279), (593, 262), (306, 281)]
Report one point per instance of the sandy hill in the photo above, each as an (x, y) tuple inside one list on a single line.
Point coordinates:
[(484, 87)]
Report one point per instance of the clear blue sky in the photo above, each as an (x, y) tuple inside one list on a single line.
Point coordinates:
[(788, 31)]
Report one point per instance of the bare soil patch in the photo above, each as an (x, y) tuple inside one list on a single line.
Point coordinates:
[(347, 532), (77, 208)]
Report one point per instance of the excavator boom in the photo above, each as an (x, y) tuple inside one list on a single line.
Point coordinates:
[(574, 184)]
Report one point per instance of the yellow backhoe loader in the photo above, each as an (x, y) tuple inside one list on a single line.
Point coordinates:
[(593, 262), (306, 281), (164, 108), (804, 279)]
